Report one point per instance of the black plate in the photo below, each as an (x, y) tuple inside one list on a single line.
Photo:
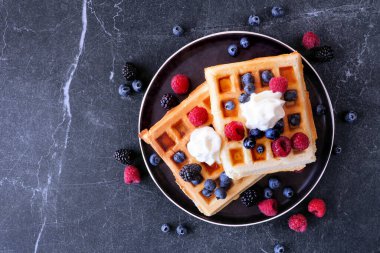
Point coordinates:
[(212, 50)]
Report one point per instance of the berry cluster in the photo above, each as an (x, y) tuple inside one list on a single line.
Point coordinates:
[(132, 83)]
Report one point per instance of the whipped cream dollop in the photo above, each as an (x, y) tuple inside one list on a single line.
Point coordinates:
[(204, 145), (263, 110)]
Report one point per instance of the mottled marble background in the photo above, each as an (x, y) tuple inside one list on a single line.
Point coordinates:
[(61, 119)]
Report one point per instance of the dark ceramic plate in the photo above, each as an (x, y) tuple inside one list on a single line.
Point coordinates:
[(212, 50)]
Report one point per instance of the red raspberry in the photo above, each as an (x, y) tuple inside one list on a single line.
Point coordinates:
[(300, 141), (278, 84), (317, 207), (131, 175), (198, 116), (234, 130), (298, 223), (310, 40), (268, 207), (180, 84), (281, 147)]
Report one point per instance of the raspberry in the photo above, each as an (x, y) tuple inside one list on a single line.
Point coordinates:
[(180, 84), (298, 223), (281, 147), (268, 207), (131, 175), (317, 207), (300, 141), (198, 116), (310, 40), (234, 131), (278, 84)]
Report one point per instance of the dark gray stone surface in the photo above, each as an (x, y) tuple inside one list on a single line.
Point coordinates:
[(61, 119)]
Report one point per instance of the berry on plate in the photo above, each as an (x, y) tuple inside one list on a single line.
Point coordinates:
[(198, 179), (178, 30), (295, 119), (190, 172), (268, 193), (233, 50), (280, 126), (288, 192), (154, 159), (268, 207), (249, 198), (125, 90), (249, 88), (179, 157), (224, 180), (317, 207), (272, 134), (278, 11), (281, 147), (310, 40), (244, 42), (137, 86), (168, 101), (129, 71), (274, 183), (256, 133), (125, 156), (198, 116), (320, 109), (266, 75), (131, 175), (278, 84), (300, 141), (180, 84), (298, 223), (260, 149), (229, 105), (220, 193), (249, 142), (234, 130), (206, 193), (290, 95), (254, 20), (244, 98), (209, 185), (351, 117), (322, 54), (181, 230), (247, 78)]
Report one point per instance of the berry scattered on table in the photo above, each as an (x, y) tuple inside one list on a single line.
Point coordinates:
[(179, 157), (266, 75), (137, 86), (125, 156), (281, 147), (168, 101), (249, 142), (178, 30), (310, 40), (131, 175), (129, 71), (229, 105), (220, 193), (165, 228), (260, 149), (300, 141), (278, 248), (249, 198), (317, 207), (295, 120), (320, 109), (190, 172), (209, 185), (274, 183), (198, 116), (322, 54), (198, 179), (180, 84), (244, 98), (233, 50), (337, 150), (125, 90), (244, 42), (247, 78), (268, 193), (224, 180), (254, 20), (298, 223), (268, 207), (288, 192), (278, 11), (181, 230), (234, 130), (256, 133), (154, 159), (278, 84), (272, 134), (351, 117), (290, 95), (249, 88)]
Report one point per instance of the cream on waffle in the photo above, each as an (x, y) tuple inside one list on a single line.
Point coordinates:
[(172, 133), (224, 84)]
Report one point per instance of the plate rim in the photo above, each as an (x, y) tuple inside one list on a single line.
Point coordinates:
[(242, 33)]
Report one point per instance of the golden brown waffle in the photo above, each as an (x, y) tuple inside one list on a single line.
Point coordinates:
[(224, 84), (172, 133)]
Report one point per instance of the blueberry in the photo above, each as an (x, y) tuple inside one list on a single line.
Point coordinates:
[(154, 159), (295, 120), (260, 149), (288, 192), (247, 78), (165, 228), (224, 180), (233, 50), (209, 185), (256, 133), (351, 117), (244, 98), (337, 149), (274, 183), (254, 20), (229, 105), (249, 142), (179, 157), (278, 248), (249, 88), (290, 95), (198, 179), (206, 193), (321, 109), (220, 193), (244, 42), (124, 90), (268, 193), (278, 11), (181, 230), (280, 126), (266, 75), (177, 30), (272, 134), (137, 86)]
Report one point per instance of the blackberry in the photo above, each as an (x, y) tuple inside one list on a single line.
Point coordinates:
[(322, 54), (249, 198), (129, 71), (168, 101), (190, 172), (125, 156)]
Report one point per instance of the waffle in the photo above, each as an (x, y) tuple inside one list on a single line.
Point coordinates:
[(172, 133), (224, 84)]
